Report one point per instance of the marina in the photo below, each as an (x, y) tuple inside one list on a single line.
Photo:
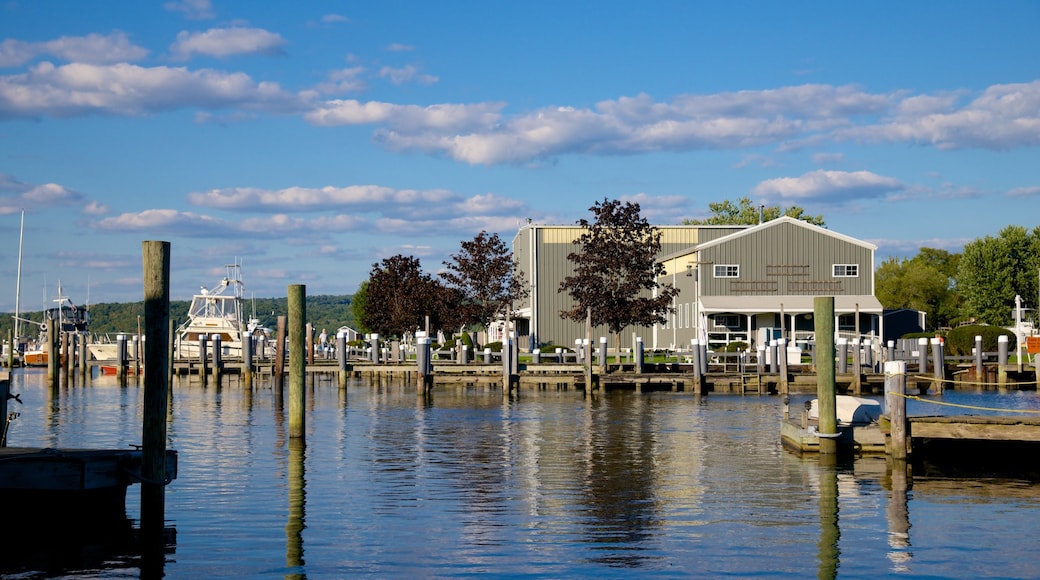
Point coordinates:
[(550, 483)]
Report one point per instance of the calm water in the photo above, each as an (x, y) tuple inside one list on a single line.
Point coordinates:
[(550, 485)]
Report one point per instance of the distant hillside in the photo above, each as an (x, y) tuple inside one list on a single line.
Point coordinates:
[(324, 311)]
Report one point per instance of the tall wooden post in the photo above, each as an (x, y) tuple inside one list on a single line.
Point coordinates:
[(297, 358), (52, 353), (895, 406), (247, 361), (588, 349), (84, 364), (10, 351), (279, 356), (218, 359), (156, 257), (121, 362), (826, 389), (169, 351), (341, 357)]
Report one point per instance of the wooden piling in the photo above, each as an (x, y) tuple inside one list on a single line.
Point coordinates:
[(341, 357), (218, 359), (156, 257), (279, 357), (169, 350), (204, 358), (297, 358), (826, 388), (895, 406), (121, 363), (52, 353), (247, 361)]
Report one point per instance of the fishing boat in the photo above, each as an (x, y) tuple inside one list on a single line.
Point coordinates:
[(65, 317), (216, 311)]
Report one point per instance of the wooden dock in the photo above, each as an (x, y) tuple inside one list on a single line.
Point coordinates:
[(77, 483)]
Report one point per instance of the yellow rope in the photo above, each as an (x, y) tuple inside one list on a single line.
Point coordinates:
[(975, 407), (978, 384)]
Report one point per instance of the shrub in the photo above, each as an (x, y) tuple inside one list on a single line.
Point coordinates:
[(736, 346), (961, 340), (494, 346)]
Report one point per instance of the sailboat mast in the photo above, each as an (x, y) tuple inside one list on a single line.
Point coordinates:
[(18, 282)]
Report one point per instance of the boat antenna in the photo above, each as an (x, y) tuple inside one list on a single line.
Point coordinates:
[(18, 282)]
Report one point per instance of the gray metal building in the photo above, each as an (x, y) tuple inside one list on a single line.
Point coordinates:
[(737, 283)]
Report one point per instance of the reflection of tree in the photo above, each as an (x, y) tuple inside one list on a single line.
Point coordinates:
[(620, 498)]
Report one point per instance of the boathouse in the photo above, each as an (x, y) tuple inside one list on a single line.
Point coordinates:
[(737, 283), (758, 284)]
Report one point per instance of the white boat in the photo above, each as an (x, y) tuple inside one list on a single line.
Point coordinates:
[(65, 317), (850, 410), (218, 311)]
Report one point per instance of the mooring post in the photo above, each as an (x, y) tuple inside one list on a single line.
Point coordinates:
[(774, 361), (639, 355), (247, 361), (979, 372), (890, 353), (279, 356), (5, 390), (341, 357), (52, 355), (857, 365), (218, 359), (10, 351), (121, 363), (170, 351), (939, 365), (297, 358), (153, 443), (204, 358), (1002, 359), (895, 404), (84, 364), (826, 389), (374, 342), (843, 355), (782, 351), (922, 356), (760, 361), (309, 330), (695, 362), (507, 365)]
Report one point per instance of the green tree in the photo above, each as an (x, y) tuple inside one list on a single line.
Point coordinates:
[(358, 305), (745, 212), (616, 270), (993, 270), (486, 275), (399, 296), (923, 282)]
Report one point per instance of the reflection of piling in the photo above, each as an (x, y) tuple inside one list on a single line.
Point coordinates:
[(830, 533), (897, 513), (823, 322), (153, 448), (297, 501), (895, 406), (279, 356), (297, 358)]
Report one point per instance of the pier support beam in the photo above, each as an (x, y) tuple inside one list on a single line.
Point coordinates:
[(156, 257), (826, 388), (895, 406), (297, 359)]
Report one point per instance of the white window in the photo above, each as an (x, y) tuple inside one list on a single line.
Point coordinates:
[(846, 270), (727, 270)]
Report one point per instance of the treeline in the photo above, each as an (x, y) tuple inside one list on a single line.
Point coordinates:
[(323, 311)]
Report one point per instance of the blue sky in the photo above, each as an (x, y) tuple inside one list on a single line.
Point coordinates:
[(309, 140)]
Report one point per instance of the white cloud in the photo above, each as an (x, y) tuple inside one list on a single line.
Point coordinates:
[(224, 42), (828, 186), (94, 208), (402, 75), (192, 9), (334, 18), (91, 49), (342, 81), (1003, 117), (1024, 192), (445, 118), (125, 89), (398, 47)]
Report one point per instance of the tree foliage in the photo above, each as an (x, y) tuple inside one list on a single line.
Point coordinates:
[(616, 270), (745, 212), (486, 275), (925, 282), (399, 296), (993, 270)]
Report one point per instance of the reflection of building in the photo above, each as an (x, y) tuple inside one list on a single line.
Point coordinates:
[(737, 283)]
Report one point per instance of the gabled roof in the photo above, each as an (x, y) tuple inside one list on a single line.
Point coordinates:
[(777, 222)]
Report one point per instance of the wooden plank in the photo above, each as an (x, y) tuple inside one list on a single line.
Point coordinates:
[(983, 428)]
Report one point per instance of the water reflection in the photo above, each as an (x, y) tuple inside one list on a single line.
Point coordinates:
[(297, 500)]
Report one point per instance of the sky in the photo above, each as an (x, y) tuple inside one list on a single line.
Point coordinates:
[(309, 140)]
